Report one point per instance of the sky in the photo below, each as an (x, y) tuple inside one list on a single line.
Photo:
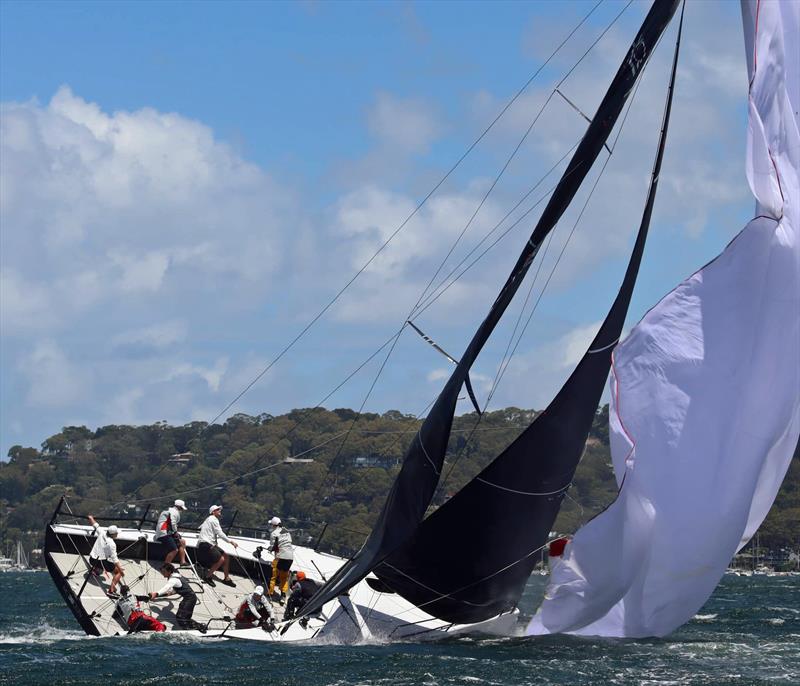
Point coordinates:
[(185, 186)]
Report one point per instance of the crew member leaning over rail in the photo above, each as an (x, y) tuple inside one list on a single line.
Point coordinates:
[(103, 556)]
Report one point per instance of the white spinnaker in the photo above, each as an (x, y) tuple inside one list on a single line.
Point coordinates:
[(705, 411)]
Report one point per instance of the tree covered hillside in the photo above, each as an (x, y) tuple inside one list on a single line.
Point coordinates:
[(120, 469)]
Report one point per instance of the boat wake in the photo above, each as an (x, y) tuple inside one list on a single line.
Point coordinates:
[(43, 635)]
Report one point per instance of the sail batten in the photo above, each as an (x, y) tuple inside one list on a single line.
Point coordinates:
[(416, 483)]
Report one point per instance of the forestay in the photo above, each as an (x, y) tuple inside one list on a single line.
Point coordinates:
[(705, 411)]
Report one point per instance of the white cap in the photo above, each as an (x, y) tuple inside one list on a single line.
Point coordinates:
[(258, 590), (112, 530), (275, 521), (180, 504), (213, 508)]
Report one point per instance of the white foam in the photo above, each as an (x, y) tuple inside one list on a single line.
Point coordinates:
[(43, 634)]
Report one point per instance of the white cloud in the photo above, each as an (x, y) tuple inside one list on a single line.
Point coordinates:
[(575, 344), (24, 305), (100, 207), (439, 375), (156, 336), (52, 379), (211, 375), (409, 124)]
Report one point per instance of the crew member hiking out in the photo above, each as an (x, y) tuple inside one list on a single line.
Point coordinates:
[(177, 584), (255, 610), (167, 532), (130, 612), (302, 589), (209, 554), (103, 557), (280, 545)]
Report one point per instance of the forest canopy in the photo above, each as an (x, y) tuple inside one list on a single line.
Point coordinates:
[(338, 483)]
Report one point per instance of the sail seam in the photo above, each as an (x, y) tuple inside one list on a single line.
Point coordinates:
[(428, 457), (605, 347), (512, 490)]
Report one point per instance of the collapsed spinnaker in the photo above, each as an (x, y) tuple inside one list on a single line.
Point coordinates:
[(705, 410), (419, 475), (471, 559)]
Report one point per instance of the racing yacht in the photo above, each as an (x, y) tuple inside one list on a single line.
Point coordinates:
[(368, 612)]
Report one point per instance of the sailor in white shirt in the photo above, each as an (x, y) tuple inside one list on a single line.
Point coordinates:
[(167, 532), (256, 609), (104, 554), (280, 545), (176, 584), (209, 554)]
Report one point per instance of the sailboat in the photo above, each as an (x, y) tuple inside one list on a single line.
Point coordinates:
[(420, 577), (19, 563)]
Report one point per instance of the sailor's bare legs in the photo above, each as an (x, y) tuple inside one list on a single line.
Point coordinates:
[(181, 551), (223, 560)]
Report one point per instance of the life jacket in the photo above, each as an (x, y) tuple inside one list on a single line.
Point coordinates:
[(244, 614), (139, 621), (184, 590), (164, 525), (281, 544)]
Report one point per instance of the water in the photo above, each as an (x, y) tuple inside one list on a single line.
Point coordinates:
[(747, 633)]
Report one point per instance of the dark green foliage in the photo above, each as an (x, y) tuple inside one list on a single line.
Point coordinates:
[(345, 486)]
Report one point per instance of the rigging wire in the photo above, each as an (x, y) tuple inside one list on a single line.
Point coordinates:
[(463, 231), (503, 367), (561, 82), (393, 340), (411, 215)]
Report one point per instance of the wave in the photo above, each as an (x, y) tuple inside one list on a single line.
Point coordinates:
[(43, 634)]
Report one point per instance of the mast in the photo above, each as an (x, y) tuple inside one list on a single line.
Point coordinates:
[(469, 573), (415, 485)]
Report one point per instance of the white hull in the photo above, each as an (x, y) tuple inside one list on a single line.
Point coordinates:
[(363, 615)]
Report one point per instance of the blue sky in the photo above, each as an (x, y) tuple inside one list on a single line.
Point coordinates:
[(184, 185)]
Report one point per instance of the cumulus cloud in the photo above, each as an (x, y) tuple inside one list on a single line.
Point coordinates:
[(146, 263), (409, 124), (151, 338), (53, 380), (126, 204)]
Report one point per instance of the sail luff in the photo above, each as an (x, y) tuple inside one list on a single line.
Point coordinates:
[(705, 412), (415, 485), (518, 496)]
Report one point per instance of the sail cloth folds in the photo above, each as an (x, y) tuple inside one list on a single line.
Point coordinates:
[(416, 483), (705, 411), (470, 560)]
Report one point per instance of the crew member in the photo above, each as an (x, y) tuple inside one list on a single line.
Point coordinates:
[(302, 590), (103, 556), (130, 612), (167, 532), (255, 610), (280, 545), (209, 554), (177, 584)]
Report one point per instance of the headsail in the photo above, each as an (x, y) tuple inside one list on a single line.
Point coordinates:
[(705, 411), (471, 558), (415, 485)]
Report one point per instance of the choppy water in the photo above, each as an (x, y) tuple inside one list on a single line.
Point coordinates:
[(748, 633)]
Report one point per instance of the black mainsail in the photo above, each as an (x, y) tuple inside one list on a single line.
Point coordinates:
[(471, 558), (419, 475)]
